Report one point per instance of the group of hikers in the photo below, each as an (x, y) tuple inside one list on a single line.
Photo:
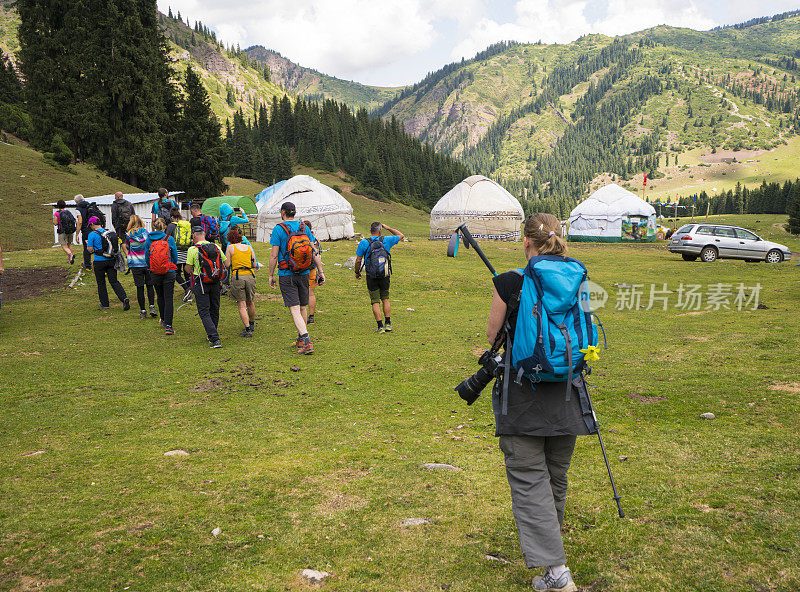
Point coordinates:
[(208, 256), (536, 423)]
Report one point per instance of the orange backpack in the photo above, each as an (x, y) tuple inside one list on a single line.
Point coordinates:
[(159, 257), (299, 250)]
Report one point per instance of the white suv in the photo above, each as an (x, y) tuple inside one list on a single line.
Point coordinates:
[(718, 241)]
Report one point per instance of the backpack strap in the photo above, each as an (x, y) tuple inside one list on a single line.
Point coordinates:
[(512, 307)]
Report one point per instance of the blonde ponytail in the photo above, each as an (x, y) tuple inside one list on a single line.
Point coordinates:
[(544, 232)]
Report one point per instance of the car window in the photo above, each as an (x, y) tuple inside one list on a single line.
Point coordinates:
[(746, 234), (704, 230), (726, 232), (686, 228)]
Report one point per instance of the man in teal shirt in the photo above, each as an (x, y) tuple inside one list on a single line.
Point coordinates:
[(104, 266), (293, 284)]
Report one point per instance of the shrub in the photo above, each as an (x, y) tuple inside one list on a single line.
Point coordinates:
[(59, 152), (14, 119)]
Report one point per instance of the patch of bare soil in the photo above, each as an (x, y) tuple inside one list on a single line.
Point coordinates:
[(19, 284), (269, 296), (28, 584), (729, 155), (646, 398), (791, 388)]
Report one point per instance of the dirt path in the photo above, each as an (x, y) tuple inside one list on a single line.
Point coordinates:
[(560, 114)]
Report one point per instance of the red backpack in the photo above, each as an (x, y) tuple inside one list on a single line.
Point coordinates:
[(299, 250), (210, 261), (159, 257)]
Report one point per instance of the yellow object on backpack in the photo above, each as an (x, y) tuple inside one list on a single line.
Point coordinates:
[(183, 234)]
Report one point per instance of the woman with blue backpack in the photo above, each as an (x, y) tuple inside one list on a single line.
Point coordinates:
[(540, 401), (162, 261)]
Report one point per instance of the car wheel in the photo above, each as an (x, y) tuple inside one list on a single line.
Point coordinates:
[(709, 254), (774, 256), (687, 257)]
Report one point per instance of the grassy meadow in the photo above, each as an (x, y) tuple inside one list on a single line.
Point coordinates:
[(315, 462)]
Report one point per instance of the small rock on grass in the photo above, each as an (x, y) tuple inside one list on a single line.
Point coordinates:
[(177, 452), (36, 453), (708, 416), (295, 368), (350, 263), (439, 467), (314, 576), (415, 521), (216, 532), (490, 557)]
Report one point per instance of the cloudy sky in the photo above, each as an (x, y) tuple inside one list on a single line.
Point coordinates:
[(396, 42)]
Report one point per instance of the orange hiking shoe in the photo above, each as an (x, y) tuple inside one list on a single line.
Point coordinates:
[(307, 348)]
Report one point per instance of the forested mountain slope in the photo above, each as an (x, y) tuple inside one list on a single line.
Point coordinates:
[(316, 85), (548, 119)]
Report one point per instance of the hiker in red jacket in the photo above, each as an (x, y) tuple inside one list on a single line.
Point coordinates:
[(161, 255)]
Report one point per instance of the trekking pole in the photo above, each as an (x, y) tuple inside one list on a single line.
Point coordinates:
[(605, 458)]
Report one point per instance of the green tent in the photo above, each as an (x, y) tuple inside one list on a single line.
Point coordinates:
[(212, 204)]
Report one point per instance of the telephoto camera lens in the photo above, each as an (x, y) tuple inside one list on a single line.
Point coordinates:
[(471, 388)]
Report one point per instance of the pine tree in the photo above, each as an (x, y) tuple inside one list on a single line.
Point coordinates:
[(200, 156), (794, 210)]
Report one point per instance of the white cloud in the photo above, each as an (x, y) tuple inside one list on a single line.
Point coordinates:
[(344, 38), (562, 21)]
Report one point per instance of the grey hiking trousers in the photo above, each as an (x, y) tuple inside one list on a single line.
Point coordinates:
[(537, 474)]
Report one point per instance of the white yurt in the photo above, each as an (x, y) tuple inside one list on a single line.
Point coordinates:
[(490, 211), (330, 214), (613, 214), (142, 205)]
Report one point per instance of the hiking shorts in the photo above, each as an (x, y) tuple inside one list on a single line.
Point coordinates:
[(243, 288), (64, 239), (141, 276), (378, 289), (294, 289)]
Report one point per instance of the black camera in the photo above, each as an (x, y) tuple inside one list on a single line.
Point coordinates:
[(471, 388)]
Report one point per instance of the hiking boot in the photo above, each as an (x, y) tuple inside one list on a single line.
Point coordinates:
[(168, 330), (126, 304), (307, 348), (216, 344), (310, 319), (153, 312), (105, 307), (246, 333), (142, 315), (299, 343), (547, 583), (72, 259), (380, 329), (388, 327)]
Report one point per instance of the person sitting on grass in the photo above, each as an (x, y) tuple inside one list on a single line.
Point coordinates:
[(204, 264), (312, 282), (134, 245), (67, 226), (241, 263), (104, 265), (373, 251), (293, 270), (162, 261)]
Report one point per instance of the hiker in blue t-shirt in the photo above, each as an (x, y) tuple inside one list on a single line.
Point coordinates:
[(104, 266), (163, 207), (378, 271), (293, 270)]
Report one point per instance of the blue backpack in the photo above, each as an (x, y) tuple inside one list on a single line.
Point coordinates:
[(554, 322)]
